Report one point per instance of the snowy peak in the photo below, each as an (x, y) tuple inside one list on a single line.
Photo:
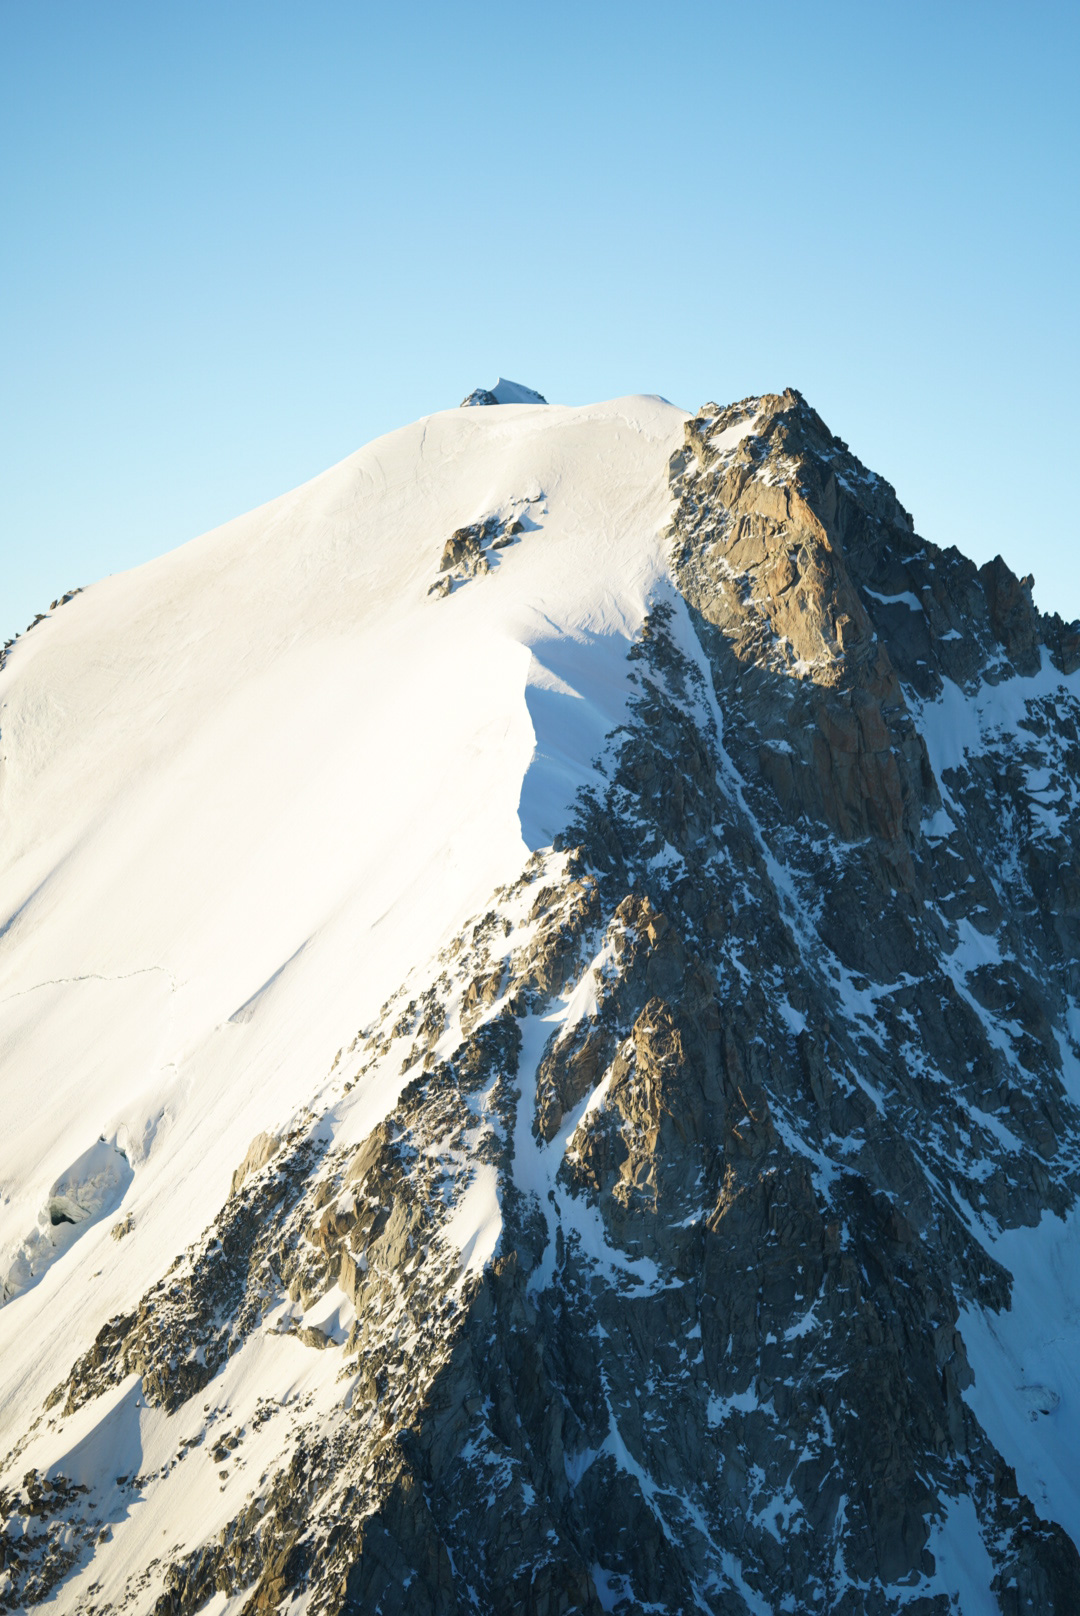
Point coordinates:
[(590, 1118), (503, 392)]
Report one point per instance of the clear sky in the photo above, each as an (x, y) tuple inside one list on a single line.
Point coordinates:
[(240, 239)]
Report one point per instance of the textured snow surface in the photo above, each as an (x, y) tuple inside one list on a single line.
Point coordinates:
[(1026, 1359), (476, 1222), (1027, 1366), (246, 788)]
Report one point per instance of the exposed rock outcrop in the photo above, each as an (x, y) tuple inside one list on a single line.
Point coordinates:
[(473, 550)]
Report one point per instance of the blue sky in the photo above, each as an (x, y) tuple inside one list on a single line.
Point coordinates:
[(241, 239)]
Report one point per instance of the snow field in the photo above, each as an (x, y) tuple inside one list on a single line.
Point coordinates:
[(246, 788)]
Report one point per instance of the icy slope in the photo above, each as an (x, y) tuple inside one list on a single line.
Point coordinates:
[(246, 787)]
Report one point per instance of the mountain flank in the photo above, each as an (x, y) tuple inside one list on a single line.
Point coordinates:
[(691, 1228)]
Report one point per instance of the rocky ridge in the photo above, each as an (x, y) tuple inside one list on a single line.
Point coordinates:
[(645, 1293)]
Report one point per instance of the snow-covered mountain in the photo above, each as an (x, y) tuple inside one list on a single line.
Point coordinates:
[(504, 392), (540, 994)]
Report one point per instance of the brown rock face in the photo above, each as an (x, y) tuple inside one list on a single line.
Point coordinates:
[(262, 1149), (1013, 617), (758, 537)]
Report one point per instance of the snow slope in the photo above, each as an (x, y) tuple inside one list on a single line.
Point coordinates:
[(245, 788)]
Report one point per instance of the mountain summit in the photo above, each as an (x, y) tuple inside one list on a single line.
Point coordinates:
[(541, 994), (503, 392)]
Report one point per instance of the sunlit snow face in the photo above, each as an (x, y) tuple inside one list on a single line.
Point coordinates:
[(90, 1189)]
